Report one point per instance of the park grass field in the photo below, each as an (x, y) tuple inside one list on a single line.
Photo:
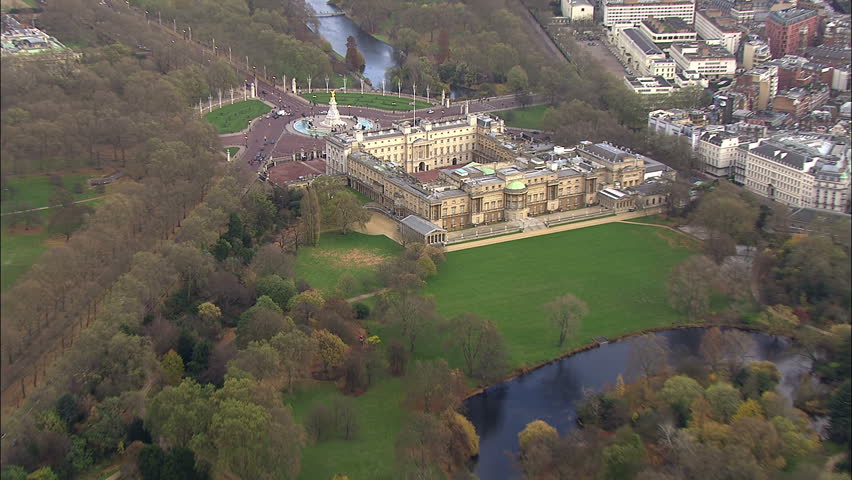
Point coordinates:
[(36, 190), (233, 151), (18, 252), (619, 269), (372, 100), (355, 253), (371, 454), (527, 117), (236, 116)]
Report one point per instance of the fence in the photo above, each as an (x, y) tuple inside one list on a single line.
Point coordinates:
[(481, 232)]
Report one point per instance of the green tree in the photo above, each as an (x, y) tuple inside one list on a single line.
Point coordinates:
[(172, 366), (778, 319), (276, 288), (517, 79), (624, 459), (537, 441), (312, 216), (177, 414), (43, 473), (724, 401), (749, 409), (261, 322), (840, 406), (150, 462), (305, 306), (68, 220), (80, 457), (13, 472), (295, 349), (680, 391), (347, 211)]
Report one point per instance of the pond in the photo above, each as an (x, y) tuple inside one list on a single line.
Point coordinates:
[(553, 392)]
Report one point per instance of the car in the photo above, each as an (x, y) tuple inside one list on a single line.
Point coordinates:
[(431, 111), (268, 115), (323, 112), (263, 92)]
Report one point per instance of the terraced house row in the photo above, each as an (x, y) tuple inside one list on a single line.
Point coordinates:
[(464, 171)]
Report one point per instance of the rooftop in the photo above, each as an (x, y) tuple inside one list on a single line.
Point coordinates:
[(667, 25), (791, 16), (640, 40), (421, 225), (701, 50)]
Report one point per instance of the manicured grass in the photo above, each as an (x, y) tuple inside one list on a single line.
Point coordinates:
[(361, 197), (387, 102), (371, 454), (36, 190), (18, 253), (356, 253), (233, 151), (236, 116), (528, 117), (619, 270)]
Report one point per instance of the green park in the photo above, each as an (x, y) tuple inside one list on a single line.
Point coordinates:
[(25, 235), (526, 117), (236, 116), (618, 269), (371, 100)]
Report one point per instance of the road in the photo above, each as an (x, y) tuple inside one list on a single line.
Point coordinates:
[(540, 36), (52, 206)]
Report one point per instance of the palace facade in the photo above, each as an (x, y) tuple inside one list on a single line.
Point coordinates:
[(464, 172)]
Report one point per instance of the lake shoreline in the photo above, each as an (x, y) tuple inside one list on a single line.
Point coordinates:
[(522, 371)]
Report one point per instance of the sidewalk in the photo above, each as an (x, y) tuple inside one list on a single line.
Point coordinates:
[(562, 228)]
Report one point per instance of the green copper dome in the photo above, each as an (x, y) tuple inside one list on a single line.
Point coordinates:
[(516, 185), (486, 170)]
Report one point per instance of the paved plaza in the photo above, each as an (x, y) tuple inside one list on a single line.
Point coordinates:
[(276, 137)]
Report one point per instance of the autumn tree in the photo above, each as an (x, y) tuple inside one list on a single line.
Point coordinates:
[(711, 347), (330, 348), (432, 386), (536, 442), (411, 314), (261, 322), (354, 58), (566, 313), (480, 343), (397, 358), (295, 350), (422, 447)]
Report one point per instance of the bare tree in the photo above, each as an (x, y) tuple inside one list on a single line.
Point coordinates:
[(690, 285), (649, 354), (566, 313)]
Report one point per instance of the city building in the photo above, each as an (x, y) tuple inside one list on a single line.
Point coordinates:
[(838, 31), (755, 52), (642, 55), (690, 124), (578, 10), (497, 181), (799, 170), (765, 82), (833, 55), (791, 31), (424, 147), (712, 61), (717, 150), (667, 30), (648, 85), (633, 12), (799, 102), (712, 26)]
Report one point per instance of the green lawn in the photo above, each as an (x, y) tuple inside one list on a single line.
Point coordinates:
[(387, 102), (656, 220), (619, 269), (236, 116), (368, 456), (356, 253), (18, 253), (233, 151), (528, 117), (36, 190)]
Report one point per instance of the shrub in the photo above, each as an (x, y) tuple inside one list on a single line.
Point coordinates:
[(362, 311)]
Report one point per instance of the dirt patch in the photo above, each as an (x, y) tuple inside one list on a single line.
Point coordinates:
[(357, 257), (676, 241)]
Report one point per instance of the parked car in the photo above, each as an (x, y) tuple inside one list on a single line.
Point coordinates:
[(431, 111)]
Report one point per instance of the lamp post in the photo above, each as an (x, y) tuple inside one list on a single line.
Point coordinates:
[(190, 32), (264, 73), (254, 74), (362, 86), (309, 84), (399, 89), (229, 54), (214, 46), (344, 84), (427, 93), (326, 84), (247, 69), (383, 88)]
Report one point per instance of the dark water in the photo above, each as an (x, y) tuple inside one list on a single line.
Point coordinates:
[(378, 56), (553, 392)]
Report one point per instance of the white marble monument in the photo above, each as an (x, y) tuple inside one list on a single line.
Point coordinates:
[(332, 118)]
